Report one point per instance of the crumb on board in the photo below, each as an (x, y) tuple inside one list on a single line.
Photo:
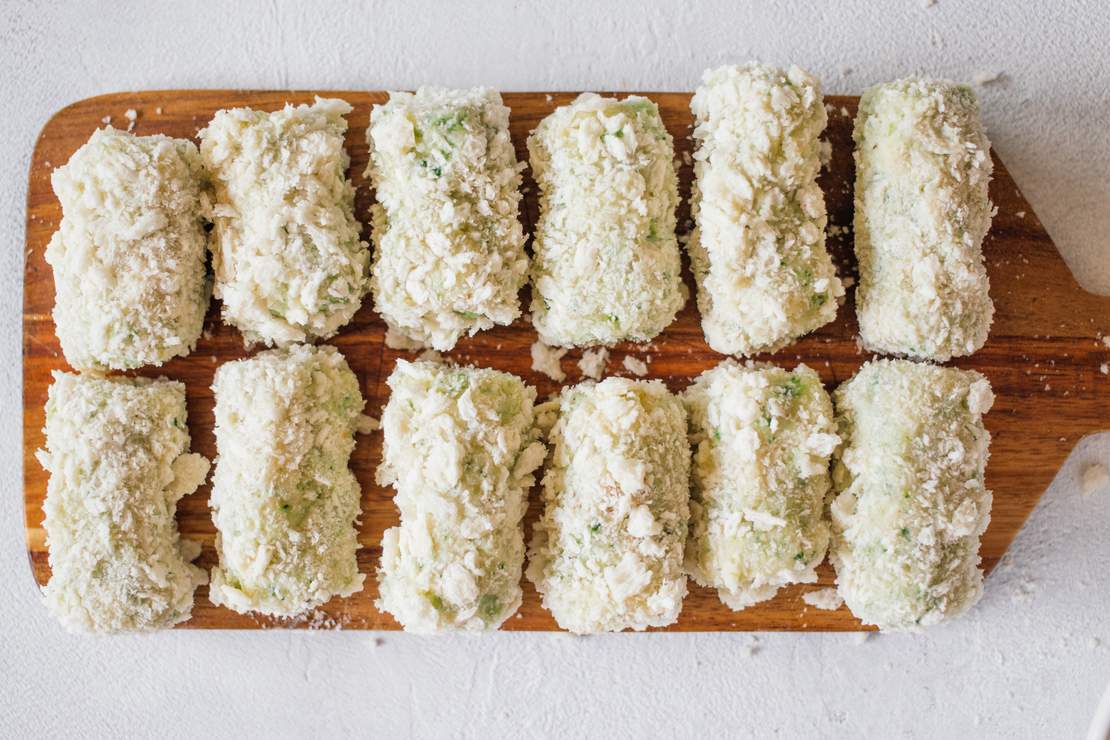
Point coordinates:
[(367, 424), (1094, 478), (848, 281), (430, 355), (548, 97), (635, 365), (1104, 368), (106, 120), (396, 340), (158, 110), (824, 598), (546, 360), (1020, 214), (593, 362), (1106, 340)]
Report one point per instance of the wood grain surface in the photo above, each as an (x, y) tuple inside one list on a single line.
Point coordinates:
[(1043, 357)]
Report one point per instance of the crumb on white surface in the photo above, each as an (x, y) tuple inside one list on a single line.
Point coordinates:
[(593, 362), (635, 365), (546, 360), (861, 637), (825, 598), (986, 77), (1094, 478)]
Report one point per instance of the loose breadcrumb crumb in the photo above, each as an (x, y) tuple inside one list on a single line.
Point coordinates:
[(635, 365), (987, 77), (825, 598), (593, 362), (545, 360), (1094, 478)]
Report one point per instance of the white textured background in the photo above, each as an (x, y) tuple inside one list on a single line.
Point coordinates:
[(1030, 661)]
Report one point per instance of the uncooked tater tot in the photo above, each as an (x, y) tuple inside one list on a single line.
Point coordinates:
[(606, 265), (911, 500), (283, 499), (923, 165), (758, 251), (117, 450), (460, 449), (607, 553), (289, 264), (449, 248), (128, 259), (762, 438)]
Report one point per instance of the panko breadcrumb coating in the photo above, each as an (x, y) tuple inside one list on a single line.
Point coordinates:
[(283, 499), (606, 265), (922, 210), (606, 555), (289, 263), (911, 501), (448, 245), (758, 250), (460, 449), (129, 278), (117, 450), (762, 439)]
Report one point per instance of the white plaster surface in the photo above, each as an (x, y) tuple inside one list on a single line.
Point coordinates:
[(1031, 661)]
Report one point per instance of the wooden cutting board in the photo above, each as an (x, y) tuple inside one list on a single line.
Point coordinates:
[(1043, 357)]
